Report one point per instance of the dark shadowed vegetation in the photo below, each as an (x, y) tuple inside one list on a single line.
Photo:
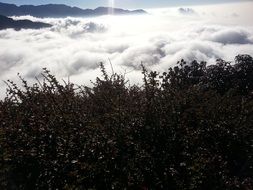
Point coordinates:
[(187, 128)]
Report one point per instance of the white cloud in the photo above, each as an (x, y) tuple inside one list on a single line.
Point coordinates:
[(75, 46), (226, 35)]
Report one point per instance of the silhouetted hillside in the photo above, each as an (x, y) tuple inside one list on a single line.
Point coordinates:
[(187, 128), (6, 22), (59, 10)]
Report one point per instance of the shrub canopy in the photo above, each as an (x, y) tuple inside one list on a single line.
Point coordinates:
[(187, 128)]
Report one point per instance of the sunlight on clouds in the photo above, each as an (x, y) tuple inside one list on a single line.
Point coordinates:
[(75, 46)]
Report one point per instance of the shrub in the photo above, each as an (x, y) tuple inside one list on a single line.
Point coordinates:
[(187, 128)]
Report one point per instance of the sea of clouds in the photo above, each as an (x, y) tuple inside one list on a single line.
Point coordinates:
[(74, 47)]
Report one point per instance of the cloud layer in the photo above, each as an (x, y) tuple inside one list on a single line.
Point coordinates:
[(75, 46)]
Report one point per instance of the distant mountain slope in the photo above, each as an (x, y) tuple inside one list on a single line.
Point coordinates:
[(6, 22), (59, 10)]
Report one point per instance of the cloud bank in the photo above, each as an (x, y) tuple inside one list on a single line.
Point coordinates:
[(74, 47)]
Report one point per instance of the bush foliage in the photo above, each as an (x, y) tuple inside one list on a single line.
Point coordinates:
[(187, 128)]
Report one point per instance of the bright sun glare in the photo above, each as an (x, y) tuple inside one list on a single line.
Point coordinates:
[(111, 5)]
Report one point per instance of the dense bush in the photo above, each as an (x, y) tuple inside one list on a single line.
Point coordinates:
[(187, 128)]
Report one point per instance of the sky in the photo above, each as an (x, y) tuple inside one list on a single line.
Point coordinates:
[(122, 3)]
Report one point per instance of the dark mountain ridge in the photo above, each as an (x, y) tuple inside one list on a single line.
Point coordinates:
[(60, 10), (6, 22)]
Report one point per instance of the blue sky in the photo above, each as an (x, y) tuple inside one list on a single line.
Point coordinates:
[(121, 3)]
